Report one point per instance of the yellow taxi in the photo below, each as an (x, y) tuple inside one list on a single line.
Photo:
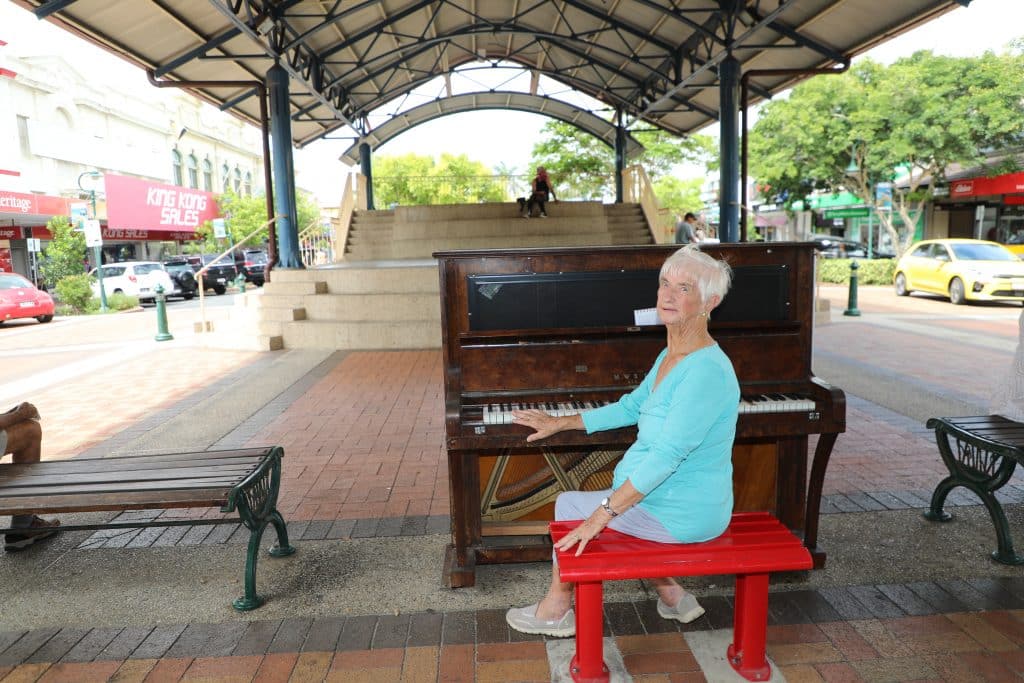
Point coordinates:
[(962, 269)]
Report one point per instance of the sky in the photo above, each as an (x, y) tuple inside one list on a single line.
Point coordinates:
[(494, 137)]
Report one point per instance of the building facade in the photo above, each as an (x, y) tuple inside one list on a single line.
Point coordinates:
[(67, 124)]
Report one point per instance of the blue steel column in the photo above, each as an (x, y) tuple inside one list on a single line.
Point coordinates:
[(284, 169), (620, 160), (366, 168), (729, 180)]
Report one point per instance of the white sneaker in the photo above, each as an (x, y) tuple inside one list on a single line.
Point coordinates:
[(524, 620), (686, 610)]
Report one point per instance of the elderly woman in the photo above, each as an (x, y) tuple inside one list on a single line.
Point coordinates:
[(674, 484)]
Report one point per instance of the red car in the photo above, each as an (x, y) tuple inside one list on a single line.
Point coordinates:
[(19, 298)]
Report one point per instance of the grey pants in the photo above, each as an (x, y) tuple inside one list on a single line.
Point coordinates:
[(635, 521)]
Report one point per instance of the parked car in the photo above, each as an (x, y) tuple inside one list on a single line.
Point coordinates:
[(184, 278), (134, 278), (19, 298), (217, 276), (828, 246), (962, 269), (836, 247), (250, 263)]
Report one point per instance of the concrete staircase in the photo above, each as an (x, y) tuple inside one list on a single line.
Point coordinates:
[(418, 231), (385, 294)]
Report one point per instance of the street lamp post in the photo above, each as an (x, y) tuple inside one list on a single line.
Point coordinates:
[(96, 256)]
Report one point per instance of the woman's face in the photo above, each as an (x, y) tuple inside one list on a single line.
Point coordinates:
[(679, 298)]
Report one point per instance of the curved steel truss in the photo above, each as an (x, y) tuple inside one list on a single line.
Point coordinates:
[(653, 61), (600, 128)]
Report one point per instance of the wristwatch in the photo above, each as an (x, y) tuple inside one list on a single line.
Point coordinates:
[(606, 504)]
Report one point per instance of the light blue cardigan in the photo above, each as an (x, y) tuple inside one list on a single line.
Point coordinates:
[(682, 458)]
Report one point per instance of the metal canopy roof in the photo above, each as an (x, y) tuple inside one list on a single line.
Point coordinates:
[(653, 60), (495, 99)]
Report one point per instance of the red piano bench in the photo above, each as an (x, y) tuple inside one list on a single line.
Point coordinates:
[(754, 545)]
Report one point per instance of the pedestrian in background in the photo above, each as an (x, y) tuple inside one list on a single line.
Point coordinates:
[(685, 230)]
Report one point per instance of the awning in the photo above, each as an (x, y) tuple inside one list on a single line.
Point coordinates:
[(1010, 183), (30, 209)]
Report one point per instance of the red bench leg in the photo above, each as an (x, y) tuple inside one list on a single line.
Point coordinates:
[(588, 664), (750, 624)]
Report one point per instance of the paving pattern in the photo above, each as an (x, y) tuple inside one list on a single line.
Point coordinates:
[(363, 437)]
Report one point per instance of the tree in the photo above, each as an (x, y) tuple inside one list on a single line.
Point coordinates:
[(919, 116), (585, 166), (414, 180), (65, 255), (244, 215), (677, 195), (579, 164)]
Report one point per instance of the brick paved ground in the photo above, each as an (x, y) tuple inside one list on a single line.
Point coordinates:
[(365, 458)]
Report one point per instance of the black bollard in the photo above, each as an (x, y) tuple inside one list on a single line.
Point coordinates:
[(851, 303), (161, 316)]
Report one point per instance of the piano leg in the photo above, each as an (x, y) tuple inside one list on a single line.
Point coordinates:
[(464, 494), (822, 453)]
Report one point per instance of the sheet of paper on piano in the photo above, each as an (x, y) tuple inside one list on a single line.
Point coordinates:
[(646, 316)]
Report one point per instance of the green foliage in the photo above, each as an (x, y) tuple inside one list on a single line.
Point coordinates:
[(583, 166), (678, 196), (663, 150), (873, 272), (119, 301), (65, 255), (243, 216), (919, 116), (414, 180), (75, 291)]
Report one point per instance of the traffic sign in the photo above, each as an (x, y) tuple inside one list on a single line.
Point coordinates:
[(34, 244), (93, 235)]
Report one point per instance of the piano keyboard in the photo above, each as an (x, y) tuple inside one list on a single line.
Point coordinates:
[(501, 413)]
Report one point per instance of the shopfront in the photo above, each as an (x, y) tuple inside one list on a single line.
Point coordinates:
[(989, 208), (23, 217)]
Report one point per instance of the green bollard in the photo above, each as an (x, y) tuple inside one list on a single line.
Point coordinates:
[(161, 316), (851, 304), (240, 283)]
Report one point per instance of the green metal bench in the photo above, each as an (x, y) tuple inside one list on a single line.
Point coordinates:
[(244, 480), (981, 454)]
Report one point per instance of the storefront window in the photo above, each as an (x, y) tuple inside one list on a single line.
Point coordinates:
[(248, 184), (176, 167), (207, 175), (193, 172)]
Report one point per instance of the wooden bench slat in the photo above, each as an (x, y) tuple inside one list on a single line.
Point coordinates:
[(11, 493), (92, 502), (121, 464), (164, 474)]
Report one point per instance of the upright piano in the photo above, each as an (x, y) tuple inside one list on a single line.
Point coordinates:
[(559, 329)]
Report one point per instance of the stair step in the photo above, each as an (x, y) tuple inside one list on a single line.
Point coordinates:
[(410, 306), (280, 286), (315, 334)]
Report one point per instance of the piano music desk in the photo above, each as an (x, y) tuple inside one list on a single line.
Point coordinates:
[(754, 545), (988, 449)]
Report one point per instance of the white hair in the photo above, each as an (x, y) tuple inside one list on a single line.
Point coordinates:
[(713, 276)]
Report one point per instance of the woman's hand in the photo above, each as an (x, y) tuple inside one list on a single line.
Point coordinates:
[(584, 533), (544, 424)]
